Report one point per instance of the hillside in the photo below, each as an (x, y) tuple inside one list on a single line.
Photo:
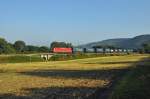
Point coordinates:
[(135, 42)]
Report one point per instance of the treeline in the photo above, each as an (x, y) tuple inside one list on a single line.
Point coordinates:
[(21, 47), (145, 48)]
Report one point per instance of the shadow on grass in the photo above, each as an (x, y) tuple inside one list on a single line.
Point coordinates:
[(84, 74), (136, 84), (13, 96), (55, 93), (81, 74), (124, 62), (71, 92)]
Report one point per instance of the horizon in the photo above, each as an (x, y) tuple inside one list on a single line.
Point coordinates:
[(72, 43), (79, 22)]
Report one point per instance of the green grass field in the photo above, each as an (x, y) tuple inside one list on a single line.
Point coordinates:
[(73, 79), (20, 58)]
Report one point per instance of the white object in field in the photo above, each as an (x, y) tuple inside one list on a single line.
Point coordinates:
[(46, 56)]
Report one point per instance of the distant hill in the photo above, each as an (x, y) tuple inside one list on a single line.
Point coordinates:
[(135, 42)]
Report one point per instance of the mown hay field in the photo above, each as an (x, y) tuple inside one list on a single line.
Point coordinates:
[(74, 79)]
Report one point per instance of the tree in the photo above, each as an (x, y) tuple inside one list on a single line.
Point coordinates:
[(60, 44), (9, 49), (44, 49), (31, 48), (20, 46), (3, 44), (146, 47), (6, 48)]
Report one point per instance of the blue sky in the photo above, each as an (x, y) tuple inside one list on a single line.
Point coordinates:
[(40, 22)]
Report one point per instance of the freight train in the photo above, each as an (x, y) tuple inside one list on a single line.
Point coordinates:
[(74, 50), (91, 50)]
